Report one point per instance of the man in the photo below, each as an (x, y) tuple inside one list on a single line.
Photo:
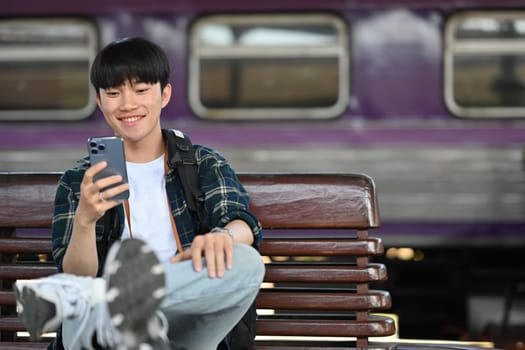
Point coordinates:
[(205, 282)]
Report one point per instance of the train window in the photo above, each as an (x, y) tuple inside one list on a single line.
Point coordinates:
[(269, 66), (485, 64), (44, 69)]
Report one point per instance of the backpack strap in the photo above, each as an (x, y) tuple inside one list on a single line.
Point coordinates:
[(182, 159), (107, 230)]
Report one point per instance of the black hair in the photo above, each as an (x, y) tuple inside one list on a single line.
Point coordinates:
[(130, 59)]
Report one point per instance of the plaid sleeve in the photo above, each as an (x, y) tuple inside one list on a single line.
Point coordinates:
[(225, 197), (66, 203)]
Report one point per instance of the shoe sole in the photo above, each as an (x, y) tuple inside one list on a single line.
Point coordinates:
[(41, 311), (135, 288)]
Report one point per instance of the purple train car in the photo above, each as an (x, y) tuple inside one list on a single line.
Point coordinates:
[(427, 97)]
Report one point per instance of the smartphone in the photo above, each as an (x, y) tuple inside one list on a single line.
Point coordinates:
[(110, 149)]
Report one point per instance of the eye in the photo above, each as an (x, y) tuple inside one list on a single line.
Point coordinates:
[(142, 89), (111, 93)]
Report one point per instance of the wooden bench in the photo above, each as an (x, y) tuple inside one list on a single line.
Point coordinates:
[(316, 245)]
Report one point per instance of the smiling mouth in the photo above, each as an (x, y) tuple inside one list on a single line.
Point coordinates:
[(130, 119)]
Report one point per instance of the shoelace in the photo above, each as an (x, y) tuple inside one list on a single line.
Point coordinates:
[(74, 302), (72, 306), (77, 302)]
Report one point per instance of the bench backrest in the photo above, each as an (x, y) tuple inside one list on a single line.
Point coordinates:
[(316, 247), (286, 201)]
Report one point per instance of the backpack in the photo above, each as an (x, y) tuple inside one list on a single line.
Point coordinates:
[(182, 159)]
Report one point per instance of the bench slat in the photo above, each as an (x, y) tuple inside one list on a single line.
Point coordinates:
[(27, 199), (271, 246), (379, 327), (26, 270), (372, 328), (330, 301), (335, 274), (319, 345), (292, 200), (349, 200), (15, 245), (274, 273), (325, 273), (11, 324), (7, 298), (322, 247), (23, 346), (286, 327)]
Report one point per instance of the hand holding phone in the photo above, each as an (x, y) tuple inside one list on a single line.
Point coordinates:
[(111, 150)]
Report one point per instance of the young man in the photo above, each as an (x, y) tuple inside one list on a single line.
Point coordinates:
[(203, 284)]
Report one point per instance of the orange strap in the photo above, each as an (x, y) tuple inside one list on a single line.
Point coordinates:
[(172, 219)]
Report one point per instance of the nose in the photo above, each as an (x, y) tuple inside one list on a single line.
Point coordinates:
[(128, 100)]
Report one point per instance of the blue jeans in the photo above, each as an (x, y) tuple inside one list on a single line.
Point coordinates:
[(200, 310)]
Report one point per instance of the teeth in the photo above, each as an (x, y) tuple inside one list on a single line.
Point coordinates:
[(130, 119)]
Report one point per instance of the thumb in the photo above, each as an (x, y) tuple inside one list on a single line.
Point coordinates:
[(180, 256)]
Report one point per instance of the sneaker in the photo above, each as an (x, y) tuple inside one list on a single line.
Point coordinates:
[(135, 288), (44, 303)]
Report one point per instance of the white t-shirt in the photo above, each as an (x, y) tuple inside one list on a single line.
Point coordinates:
[(148, 205)]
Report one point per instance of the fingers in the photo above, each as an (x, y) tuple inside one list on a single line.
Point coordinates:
[(218, 251), (196, 253), (106, 194), (92, 171), (95, 199), (109, 186), (229, 255)]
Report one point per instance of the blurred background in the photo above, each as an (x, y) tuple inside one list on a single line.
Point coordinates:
[(428, 98)]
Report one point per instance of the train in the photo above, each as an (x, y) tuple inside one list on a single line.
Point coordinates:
[(426, 97)]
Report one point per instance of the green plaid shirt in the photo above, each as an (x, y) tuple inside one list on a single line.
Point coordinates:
[(225, 200)]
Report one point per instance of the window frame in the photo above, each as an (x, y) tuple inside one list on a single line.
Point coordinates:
[(475, 45), (63, 53), (339, 51)]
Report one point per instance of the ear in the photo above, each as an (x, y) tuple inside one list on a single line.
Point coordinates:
[(97, 98), (166, 95)]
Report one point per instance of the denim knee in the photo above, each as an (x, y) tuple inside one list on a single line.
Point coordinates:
[(248, 263)]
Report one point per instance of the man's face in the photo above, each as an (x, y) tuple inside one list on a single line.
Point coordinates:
[(133, 109)]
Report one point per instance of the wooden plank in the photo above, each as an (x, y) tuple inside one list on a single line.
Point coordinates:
[(317, 345), (269, 246), (26, 271), (379, 327), (322, 247), (328, 301), (309, 273), (11, 324), (25, 245), (27, 199), (7, 298), (371, 328), (23, 346), (280, 201), (313, 200)]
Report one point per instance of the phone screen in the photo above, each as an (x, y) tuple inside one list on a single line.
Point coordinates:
[(111, 150)]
